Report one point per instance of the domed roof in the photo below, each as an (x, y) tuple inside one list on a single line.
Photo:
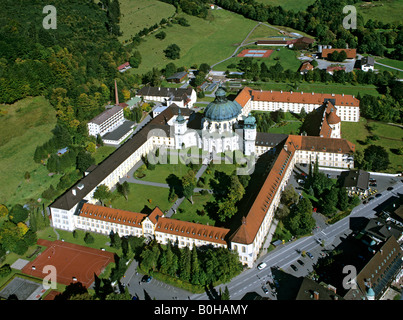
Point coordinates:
[(221, 109)]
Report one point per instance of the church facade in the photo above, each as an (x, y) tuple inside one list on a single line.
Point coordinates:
[(223, 126)]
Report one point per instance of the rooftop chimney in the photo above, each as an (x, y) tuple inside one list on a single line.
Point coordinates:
[(316, 295), (116, 94)]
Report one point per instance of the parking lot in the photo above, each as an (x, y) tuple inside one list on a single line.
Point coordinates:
[(383, 182)]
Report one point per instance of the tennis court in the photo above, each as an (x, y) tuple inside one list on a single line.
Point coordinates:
[(255, 53), (23, 289), (73, 263)]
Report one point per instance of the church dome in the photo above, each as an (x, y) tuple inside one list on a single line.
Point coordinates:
[(221, 109)]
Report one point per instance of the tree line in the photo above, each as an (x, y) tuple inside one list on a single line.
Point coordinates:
[(198, 266), (324, 20)]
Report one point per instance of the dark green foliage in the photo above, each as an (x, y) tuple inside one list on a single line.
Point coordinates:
[(172, 51), (88, 238), (18, 213), (376, 158), (84, 160), (201, 265), (5, 270)]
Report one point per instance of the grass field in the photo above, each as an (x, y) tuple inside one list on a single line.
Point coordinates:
[(390, 137), (24, 125), (287, 58), (139, 14), (139, 197), (384, 10), (390, 62), (205, 40)]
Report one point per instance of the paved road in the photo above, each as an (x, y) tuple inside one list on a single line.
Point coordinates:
[(240, 46), (252, 279)]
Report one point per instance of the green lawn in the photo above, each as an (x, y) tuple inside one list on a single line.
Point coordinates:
[(205, 40), (390, 62), (162, 171), (287, 58), (139, 197), (24, 125), (102, 153), (384, 10), (139, 14), (291, 127), (193, 212), (390, 137)]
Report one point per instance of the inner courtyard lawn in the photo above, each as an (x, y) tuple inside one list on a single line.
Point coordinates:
[(142, 198), (195, 212), (163, 171)]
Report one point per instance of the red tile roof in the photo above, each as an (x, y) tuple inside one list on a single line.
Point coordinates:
[(165, 225), (351, 53), (123, 217), (249, 228), (125, 65), (294, 97), (192, 230), (306, 66), (246, 233)]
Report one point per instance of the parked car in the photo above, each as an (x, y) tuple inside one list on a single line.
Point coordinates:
[(390, 189), (265, 290), (294, 267), (261, 266), (309, 255), (146, 278), (300, 262)]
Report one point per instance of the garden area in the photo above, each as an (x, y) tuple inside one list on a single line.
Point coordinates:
[(367, 133), (278, 122)]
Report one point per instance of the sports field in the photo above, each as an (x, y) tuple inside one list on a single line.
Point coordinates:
[(72, 262), (255, 53)]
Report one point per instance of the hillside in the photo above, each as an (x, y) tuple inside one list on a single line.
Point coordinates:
[(24, 124), (139, 14), (205, 40)]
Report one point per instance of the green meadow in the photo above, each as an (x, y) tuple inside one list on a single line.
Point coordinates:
[(287, 58), (390, 137), (24, 125), (384, 10), (139, 14), (204, 41)]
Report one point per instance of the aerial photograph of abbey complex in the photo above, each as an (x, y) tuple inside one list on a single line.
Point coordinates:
[(201, 158)]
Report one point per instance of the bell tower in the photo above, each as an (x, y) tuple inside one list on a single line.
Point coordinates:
[(249, 135)]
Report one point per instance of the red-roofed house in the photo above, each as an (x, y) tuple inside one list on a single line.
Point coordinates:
[(124, 67)]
